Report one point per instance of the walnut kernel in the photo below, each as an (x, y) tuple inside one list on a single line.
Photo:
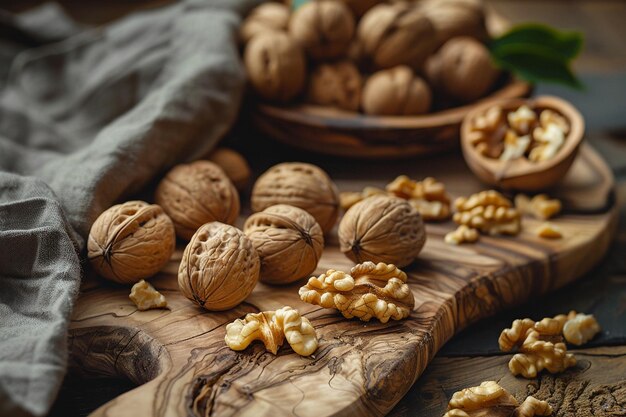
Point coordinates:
[(488, 211), (146, 297), (219, 267), (549, 231), (197, 193), (580, 329), (428, 196), (300, 185), (462, 234), (131, 241), (370, 290), (349, 198), (289, 242), (382, 229), (540, 206), (272, 328)]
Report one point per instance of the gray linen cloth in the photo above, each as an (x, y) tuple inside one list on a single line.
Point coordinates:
[(87, 118)]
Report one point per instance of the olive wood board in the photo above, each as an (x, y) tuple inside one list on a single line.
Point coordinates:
[(182, 367)]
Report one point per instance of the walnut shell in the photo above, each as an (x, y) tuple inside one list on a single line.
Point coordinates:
[(220, 267), (197, 193), (382, 229), (337, 84), (396, 34), (289, 242), (266, 17), (276, 66), (462, 70), (359, 7), (300, 185), (396, 91), (452, 18), (131, 241), (323, 28), (233, 164)]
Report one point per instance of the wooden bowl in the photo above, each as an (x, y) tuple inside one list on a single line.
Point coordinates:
[(337, 132), (522, 174)]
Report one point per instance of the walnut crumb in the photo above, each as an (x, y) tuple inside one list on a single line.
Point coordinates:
[(146, 297), (549, 231)]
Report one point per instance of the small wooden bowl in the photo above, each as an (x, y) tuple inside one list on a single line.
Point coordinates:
[(522, 174), (337, 132)]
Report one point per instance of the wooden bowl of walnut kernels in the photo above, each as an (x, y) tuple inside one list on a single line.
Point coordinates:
[(523, 172)]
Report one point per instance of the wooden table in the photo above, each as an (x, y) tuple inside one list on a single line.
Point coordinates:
[(472, 356)]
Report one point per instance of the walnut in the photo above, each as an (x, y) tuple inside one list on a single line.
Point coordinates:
[(349, 198), (537, 355), (396, 34), (580, 329), (397, 92), (453, 18), (462, 234), (131, 241), (263, 18), (488, 211), (289, 242), (336, 84), (272, 328), (514, 337), (219, 267), (428, 196), (276, 66), (540, 206), (323, 28), (197, 193), (549, 139), (146, 297), (234, 165), (550, 117), (462, 70), (490, 399), (370, 290), (382, 229), (549, 231), (300, 185), (359, 7)]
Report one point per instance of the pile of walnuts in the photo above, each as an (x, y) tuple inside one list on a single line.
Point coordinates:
[(378, 57)]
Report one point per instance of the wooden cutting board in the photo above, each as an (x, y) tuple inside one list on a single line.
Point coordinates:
[(183, 368)]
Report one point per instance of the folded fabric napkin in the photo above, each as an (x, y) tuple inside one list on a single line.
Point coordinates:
[(87, 118)]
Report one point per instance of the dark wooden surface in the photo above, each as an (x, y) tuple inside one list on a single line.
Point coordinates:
[(472, 355)]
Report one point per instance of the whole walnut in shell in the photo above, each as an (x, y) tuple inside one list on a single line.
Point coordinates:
[(452, 18), (289, 242), (300, 185), (220, 267), (462, 70), (396, 34), (233, 164), (131, 241), (323, 28), (197, 193), (276, 66), (337, 84), (266, 17), (396, 91), (382, 229)]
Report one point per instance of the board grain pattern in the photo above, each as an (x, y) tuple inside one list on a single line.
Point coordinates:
[(183, 368)]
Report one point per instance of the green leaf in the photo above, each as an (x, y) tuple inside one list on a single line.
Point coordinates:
[(538, 53)]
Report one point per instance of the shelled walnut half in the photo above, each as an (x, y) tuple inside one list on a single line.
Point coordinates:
[(272, 328), (462, 234), (428, 196), (489, 399), (488, 211), (369, 290), (540, 206)]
